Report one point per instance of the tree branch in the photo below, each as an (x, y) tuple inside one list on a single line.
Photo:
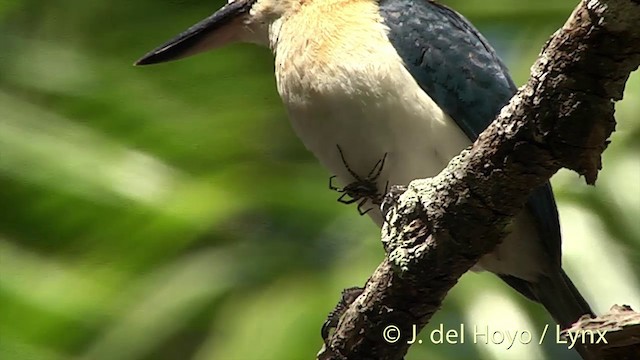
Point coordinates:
[(439, 227), (621, 329)]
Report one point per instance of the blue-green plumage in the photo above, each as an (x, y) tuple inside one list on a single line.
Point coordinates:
[(450, 60), (455, 65)]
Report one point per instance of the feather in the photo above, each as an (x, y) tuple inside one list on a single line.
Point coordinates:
[(455, 65)]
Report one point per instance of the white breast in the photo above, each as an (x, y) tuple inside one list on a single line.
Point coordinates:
[(369, 109), (369, 104)]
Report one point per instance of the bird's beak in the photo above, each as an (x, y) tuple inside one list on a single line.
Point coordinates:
[(221, 28)]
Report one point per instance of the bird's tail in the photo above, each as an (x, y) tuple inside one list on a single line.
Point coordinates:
[(564, 302), (561, 298)]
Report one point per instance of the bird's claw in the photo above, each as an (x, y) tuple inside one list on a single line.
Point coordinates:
[(390, 199), (348, 296)]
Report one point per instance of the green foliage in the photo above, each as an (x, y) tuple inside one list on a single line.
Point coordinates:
[(169, 212)]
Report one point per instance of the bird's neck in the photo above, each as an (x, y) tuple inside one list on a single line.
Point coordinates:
[(321, 21), (323, 31), (316, 53)]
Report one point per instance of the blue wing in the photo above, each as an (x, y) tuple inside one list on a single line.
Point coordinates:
[(455, 65), (450, 60)]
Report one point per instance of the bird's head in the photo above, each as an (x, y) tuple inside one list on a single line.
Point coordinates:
[(253, 21)]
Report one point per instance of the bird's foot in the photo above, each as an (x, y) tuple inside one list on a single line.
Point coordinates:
[(349, 295), (390, 199)]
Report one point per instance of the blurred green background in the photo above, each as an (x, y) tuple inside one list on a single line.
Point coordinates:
[(169, 212)]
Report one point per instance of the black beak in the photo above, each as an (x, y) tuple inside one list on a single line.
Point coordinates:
[(218, 29)]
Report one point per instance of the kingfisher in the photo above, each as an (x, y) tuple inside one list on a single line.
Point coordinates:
[(388, 91)]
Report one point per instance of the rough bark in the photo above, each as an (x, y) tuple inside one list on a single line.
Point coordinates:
[(439, 227), (614, 335)]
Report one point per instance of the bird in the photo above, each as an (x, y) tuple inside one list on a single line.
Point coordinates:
[(412, 82)]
